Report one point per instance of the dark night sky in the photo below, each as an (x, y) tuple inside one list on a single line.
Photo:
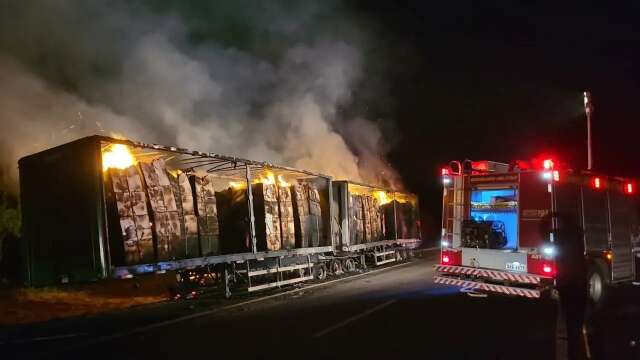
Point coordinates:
[(501, 81)]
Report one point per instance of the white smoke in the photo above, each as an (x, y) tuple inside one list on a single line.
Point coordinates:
[(128, 70)]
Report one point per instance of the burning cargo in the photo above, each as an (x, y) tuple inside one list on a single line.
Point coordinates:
[(129, 208), (370, 214)]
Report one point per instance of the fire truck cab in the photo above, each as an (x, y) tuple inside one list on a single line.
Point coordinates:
[(527, 228)]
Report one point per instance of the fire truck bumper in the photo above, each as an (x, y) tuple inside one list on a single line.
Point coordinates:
[(528, 293), (517, 284)]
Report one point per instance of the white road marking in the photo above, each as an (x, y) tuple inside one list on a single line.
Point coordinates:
[(233, 306), (353, 318), (43, 338)]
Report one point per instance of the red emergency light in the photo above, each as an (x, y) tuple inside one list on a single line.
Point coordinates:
[(445, 171), (556, 175), (548, 164), (629, 189), (597, 183)]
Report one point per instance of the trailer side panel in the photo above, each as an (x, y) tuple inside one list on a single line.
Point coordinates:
[(62, 208)]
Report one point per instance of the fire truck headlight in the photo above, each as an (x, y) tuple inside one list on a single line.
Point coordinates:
[(547, 175), (446, 180), (549, 250), (444, 243)]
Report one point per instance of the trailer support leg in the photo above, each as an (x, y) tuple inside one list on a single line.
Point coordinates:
[(248, 274), (225, 279)]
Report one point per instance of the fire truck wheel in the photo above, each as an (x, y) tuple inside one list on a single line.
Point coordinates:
[(598, 283)]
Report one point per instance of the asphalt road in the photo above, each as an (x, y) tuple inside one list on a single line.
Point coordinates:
[(395, 313)]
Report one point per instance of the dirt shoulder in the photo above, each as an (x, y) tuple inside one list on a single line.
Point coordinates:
[(33, 305)]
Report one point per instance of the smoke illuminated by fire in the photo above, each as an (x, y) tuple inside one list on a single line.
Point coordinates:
[(117, 156), (278, 97)]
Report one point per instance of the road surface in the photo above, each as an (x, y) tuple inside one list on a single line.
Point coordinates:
[(397, 313)]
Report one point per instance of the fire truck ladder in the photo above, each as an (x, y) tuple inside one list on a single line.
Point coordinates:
[(455, 212)]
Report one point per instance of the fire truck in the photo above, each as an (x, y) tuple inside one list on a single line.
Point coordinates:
[(530, 228)]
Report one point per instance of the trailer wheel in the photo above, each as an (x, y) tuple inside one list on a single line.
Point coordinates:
[(320, 272), (336, 267), (349, 265), (598, 283)]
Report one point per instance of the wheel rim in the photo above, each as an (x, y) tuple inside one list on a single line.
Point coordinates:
[(595, 287)]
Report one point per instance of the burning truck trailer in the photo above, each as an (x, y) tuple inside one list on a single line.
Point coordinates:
[(531, 228), (376, 225), (103, 208)]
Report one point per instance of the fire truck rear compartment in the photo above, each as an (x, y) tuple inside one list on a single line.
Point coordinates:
[(494, 219)]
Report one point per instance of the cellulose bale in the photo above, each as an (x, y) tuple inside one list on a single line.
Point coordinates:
[(189, 220), (286, 217), (302, 220), (169, 240), (207, 215), (356, 227), (133, 218), (315, 215)]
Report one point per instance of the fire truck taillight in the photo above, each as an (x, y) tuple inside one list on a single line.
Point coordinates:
[(541, 265), (451, 257)]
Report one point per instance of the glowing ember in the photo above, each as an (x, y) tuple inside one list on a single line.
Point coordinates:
[(117, 156)]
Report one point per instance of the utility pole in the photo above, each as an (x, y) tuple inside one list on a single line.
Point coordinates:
[(588, 109)]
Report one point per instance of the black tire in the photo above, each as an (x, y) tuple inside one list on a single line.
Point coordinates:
[(599, 282), (320, 272), (336, 267), (349, 266)]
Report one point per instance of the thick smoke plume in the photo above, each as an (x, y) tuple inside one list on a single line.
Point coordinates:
[(269, 89)]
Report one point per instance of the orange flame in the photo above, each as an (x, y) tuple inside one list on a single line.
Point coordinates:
[(117, 156), (383, 197)]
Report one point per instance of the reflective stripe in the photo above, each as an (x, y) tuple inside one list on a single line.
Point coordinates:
[(528, 293), (495, 275)]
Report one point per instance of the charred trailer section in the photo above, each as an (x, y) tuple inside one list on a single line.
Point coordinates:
[(234, 218), (64, 234), (233, 214)]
